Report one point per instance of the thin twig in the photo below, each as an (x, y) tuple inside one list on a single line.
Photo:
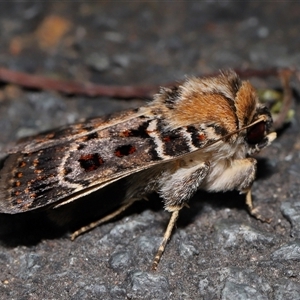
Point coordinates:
[(93, 90), (74, 87)]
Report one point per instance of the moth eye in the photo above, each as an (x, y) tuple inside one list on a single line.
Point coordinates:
[(256, 133)]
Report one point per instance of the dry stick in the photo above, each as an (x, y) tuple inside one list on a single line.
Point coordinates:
[(93, 90), (73, 87)]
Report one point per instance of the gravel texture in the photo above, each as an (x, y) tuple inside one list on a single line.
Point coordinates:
[(217, 251)]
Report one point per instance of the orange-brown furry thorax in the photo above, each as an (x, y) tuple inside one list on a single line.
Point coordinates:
[(207, 109), (245, 103), (223, 101)]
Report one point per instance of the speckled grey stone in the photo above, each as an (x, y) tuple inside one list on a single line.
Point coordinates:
[(146, 285), (29, 265), (240, 292), (119, 260), (291, 210), (230, 234), (118, 292), (120, 233), (287, 290), (98, 291), (289, 251), (186, 248), (234, 283), (147, 244)]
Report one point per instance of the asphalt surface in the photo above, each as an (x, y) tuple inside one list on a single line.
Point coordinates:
[(218, 251)]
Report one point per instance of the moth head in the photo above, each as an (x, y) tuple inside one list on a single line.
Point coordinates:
[(258, 134)]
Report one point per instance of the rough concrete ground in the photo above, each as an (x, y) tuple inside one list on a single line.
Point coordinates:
[(218, 251)]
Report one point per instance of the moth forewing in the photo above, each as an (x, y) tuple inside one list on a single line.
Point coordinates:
[(69, 133), (198, 135)]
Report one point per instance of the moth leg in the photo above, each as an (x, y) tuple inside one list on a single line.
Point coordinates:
[(239, 176), (166, 237), (254, 211), (175, 191), (249, 165), (92, 225)]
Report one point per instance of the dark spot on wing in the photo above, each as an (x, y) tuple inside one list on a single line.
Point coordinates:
[(22, 164), (19, 175), (124, 150), (90, 162), (141, 131)]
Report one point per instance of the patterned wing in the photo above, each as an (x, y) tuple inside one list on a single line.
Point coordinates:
[(63, 169)]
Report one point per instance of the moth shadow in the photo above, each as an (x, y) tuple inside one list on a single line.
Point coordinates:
[(264, 168), (31, 227), (203, 202), (27, 228)]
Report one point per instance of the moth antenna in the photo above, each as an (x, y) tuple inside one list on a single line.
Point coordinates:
[(261, 119)]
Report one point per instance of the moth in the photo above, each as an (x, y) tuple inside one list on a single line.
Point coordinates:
[(198, 135)]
